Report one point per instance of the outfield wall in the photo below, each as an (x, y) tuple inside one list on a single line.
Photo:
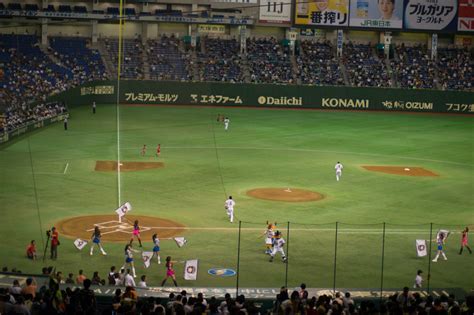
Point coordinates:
[(271, 96)]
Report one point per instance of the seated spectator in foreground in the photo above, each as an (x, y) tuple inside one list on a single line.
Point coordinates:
[(80, 277), (16, 288), (30, 287), (31, 250)]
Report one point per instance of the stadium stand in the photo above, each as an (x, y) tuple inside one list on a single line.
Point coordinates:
[(317, 64), (53, 293), (85, 63), (269, 62), (413, 67), (455, 69), (30, 74), (167, 60), (364, 67), (133, 65), (220, 60)]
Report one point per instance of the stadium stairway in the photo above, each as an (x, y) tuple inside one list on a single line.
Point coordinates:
[(109, 66)]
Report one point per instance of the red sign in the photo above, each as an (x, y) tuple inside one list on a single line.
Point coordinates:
[(466, 15)]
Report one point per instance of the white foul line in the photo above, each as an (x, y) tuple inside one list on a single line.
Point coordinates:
[(65, 169)]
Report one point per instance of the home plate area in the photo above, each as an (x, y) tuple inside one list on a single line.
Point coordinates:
[(113, 230), (117, 227)]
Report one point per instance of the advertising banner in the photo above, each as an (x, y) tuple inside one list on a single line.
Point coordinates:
[(275, 11), (376, 13), (431, 15), (466, 16), (322, 12)]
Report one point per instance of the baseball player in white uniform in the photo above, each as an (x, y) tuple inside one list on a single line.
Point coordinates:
[(278, 243), (338, 169), (229, 207), (226, 123)]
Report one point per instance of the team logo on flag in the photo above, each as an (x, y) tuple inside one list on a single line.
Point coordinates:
[(191, 269), (147, 258), (180, 241), (421, 248), (80, 244), (123, 209)]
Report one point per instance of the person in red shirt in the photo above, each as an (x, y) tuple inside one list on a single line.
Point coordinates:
[(31, 250), (158, 150), (54, 243)]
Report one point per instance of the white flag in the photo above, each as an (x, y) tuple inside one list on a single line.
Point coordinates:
[(123, 209), (147, 258), (180, 241), (191, 269), (421, 248), (80, 244)]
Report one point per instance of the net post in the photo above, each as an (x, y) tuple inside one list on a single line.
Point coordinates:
[(238, 262), (335, 260), (287, 252), (382, 266), (429, 260)]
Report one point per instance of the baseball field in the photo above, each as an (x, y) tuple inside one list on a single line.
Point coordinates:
[(414, 172)]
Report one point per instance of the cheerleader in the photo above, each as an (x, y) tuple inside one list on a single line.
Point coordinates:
[(156, 247), (169, 272), (136, 233), (96, 236), (129, 259), (464, 241), (440, 240), (269, 234)]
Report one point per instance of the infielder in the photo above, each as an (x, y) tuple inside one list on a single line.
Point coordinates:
[(338, 169), (229, 207), (226, 123), (278, 243), (96, 236)]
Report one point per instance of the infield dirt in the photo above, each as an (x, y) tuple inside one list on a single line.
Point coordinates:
[(114, 231), (109, 166), (400, 170), (285, 194)]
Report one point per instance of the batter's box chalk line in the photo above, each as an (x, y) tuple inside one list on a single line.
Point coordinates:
[(118, 227)]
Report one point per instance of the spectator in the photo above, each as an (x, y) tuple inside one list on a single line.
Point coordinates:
[(30, 287), (87, 298), (142, 283), (70, 279), (31, 250), (15, 288), (80, 277), (128, 280)]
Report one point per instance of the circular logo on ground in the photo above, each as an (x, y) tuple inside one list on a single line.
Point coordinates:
[(262, 100), (222, 272), (191, 269)]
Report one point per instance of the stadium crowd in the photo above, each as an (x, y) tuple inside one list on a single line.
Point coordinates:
[(414, 68), (269, 61), (28, 74), (220, 60), (167, 61), (17, 117), (317, 64), (75, 295), (364, 67)]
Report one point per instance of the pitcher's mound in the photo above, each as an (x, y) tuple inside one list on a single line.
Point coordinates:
[(114, 231), (285, 194), (109, 166), (400, 170)]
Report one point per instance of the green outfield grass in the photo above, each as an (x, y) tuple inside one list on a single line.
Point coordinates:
[(263, 148)]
